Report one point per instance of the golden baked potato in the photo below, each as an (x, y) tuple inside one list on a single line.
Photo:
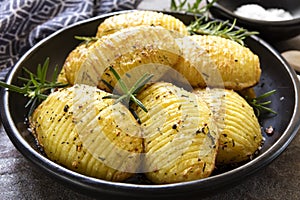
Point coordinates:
[(90, 135), (215, 61), (130, 52), (117, 23)]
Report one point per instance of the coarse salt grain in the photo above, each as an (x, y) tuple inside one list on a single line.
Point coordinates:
[(255, 11)]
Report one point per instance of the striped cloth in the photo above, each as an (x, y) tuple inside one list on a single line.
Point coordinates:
[(25, 22)]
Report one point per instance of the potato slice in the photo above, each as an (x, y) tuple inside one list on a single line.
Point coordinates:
[(90, 135), (240, 132), (180, 141)]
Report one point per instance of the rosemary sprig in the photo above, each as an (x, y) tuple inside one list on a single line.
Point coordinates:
[(204, 26), (195, 8), (36, 87), (219, 28), (259, 105), (129, 95)]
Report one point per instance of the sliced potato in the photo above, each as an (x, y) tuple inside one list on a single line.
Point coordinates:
[(240, 132), (88, 134), (180, 141)]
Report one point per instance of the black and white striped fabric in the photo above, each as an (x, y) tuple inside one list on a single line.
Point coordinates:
[(25, 22)]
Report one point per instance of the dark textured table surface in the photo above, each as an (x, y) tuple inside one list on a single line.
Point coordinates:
[(19, 179)]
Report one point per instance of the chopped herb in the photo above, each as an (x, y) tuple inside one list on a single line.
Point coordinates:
[(174, 126)]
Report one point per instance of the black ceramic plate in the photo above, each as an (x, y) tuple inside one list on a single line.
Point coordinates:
[(276, 74)]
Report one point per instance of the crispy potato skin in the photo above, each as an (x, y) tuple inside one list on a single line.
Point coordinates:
[(138, 18), (79, 130), (240, 132), (181, 141)]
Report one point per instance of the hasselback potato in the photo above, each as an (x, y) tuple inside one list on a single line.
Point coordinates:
[(207, 60), (180, 139), (93, 136), (240, 133), (117, 23)]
